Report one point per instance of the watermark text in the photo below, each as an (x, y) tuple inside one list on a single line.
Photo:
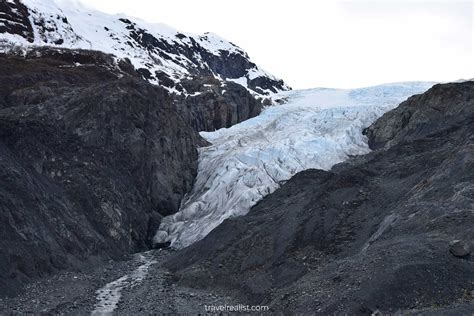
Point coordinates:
[(236, 308)]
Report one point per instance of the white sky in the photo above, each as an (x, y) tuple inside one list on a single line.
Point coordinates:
[(342, 44)]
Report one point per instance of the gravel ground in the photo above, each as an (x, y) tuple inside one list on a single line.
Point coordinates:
[(78, 293), (66, 292), (157, 293)]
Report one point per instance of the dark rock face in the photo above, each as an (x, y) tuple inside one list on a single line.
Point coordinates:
[(14, 20), (199, 61), (263, 84), (371, 234), (18, 19), (228, 65), (91, 157), (448, 103), (213, 105)]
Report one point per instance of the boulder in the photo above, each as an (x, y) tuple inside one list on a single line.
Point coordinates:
[(459, 248)]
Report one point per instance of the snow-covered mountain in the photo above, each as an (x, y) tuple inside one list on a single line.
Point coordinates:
[(315, 128), (160, 53)]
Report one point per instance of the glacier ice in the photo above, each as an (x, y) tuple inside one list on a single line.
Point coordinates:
[(314, 128)]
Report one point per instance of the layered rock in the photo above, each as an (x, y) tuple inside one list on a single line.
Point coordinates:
[(372, 234), (91, 157), (212, 104)]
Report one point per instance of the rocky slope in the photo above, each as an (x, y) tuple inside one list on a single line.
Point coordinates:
[(99, 117), (213, 82), (374, 233), (162, 55), (91, 157), (212, 104)]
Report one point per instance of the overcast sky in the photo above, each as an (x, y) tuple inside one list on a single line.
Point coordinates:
[(342, 44)]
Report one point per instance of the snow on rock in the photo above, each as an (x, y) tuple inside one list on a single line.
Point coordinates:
[(315, 128), (162, 54)]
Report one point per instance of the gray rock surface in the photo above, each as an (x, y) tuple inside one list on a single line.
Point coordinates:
[(91, 157), (371, 234), (213, 105), (75, 292), (445, 105)]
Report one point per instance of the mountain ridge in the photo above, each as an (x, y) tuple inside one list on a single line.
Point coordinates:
[(161, 54)]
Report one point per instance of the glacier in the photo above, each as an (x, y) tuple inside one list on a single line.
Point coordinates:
[(315, 128)]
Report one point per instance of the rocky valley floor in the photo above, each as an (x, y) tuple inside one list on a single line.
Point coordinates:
[(138, 285), (117, 288)]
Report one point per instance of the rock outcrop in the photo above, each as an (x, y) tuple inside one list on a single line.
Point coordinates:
[(370, 235), (14, 20), (212, 105), (91, 157)]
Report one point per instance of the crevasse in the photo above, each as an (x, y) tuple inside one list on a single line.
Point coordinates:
[(315, 128)]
